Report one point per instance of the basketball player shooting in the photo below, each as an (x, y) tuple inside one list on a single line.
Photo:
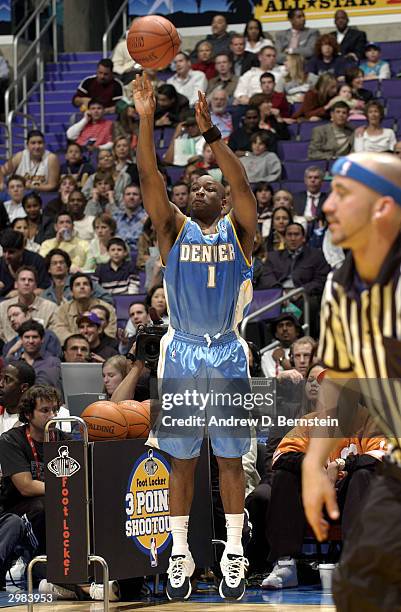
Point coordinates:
[(361, 338), (207, 276)]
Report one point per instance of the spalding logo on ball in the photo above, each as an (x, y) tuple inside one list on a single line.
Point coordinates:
[(153, 42)]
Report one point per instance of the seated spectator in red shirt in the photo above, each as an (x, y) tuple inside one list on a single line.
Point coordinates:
[(102, 86), (315, 105), (93, 130), (277, 100), (205, 60), (327, 57)]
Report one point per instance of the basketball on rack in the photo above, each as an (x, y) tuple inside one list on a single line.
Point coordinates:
[(153, 41), (105, 421)]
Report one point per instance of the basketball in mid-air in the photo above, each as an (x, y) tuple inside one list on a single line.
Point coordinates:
[(105, 421), (137, 415), (153, 41)]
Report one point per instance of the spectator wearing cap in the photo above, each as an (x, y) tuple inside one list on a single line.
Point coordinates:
[(285, 329), (15, 256), (93, 130), (89, 326), (186, 142), (187, 81), (101, 86), (47, 367), (83, 299), (352, 41), (373, 67)]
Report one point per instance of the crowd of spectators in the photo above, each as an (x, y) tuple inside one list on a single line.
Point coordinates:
[(75, 236)]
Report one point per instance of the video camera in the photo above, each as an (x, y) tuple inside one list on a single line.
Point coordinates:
[(148, 344)]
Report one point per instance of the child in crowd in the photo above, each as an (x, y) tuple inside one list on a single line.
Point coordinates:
[(76, 165), (118, 276), (374, 67), (261, 164), (102, 197), (20, 224)]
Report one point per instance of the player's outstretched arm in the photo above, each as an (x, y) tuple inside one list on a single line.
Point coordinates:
[(163, 215), (243, 200)]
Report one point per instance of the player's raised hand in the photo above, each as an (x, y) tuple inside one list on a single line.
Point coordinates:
[(202, 113), (143, 95)]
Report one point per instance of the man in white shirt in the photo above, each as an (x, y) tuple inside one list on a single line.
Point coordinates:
[(15, 188), (40, 309), (309, 203), (286, 329), (186, 81), (16, 378), (249, 83)]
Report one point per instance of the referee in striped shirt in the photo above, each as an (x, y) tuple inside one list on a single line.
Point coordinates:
[(361, 338)]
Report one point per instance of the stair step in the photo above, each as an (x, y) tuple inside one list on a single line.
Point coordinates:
[(71, 66), (54, 96), (53, 85), (58, 107), (76, 76), (81, 56)]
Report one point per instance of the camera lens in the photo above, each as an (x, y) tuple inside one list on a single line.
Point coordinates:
[(152, 349)]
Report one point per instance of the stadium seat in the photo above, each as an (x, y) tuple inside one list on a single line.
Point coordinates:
[(296, 169), (391, 88), (395, 66), (292, 150), (390, 50), (306, 128), (175, 172), (394, 107), (372, 86)]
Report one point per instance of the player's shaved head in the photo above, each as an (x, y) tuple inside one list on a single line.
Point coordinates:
[(206, 198)]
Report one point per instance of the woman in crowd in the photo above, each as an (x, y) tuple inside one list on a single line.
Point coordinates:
[(205, 60), (123, 159), (264, 198), (326, 57), (354, 78), (156, 299), (296, 81), (75, 164), (208, 163), (126, 124), (105, 228), (40, 226), (259, 254), (255, 38), (146, 242), (67, 185), (284, 198), (20, 224), (374, 137), (114, 370), (39, 167), (315, 104), (107, 164), (169, 105), (281, 217)]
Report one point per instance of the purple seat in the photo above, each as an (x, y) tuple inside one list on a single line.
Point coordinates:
[(306, 128), (390, 50), (163, 136), (175, 172), (394, 107), (261, 298), (292, 150), (296, 169), (372, 86), (395, 66), (122, 302), (391, 88), (293, 130), (292, 186)]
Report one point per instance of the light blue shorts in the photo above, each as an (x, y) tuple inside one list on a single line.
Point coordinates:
[(202, 384)]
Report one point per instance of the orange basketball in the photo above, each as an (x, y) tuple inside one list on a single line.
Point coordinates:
[(153, 41), (138, 418), (105, 421)]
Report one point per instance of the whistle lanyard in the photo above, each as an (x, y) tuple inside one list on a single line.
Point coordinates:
[(34, 453)]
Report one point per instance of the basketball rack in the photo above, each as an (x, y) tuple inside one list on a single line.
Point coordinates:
[(91, 558)]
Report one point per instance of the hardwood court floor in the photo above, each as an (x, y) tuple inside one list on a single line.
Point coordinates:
[(70, 606)]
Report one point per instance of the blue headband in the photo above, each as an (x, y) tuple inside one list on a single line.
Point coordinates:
[(344, 166)]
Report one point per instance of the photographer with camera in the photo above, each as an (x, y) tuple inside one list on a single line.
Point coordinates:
[(92, 131)]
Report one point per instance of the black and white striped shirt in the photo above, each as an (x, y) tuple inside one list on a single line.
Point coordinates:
[(361, 333)]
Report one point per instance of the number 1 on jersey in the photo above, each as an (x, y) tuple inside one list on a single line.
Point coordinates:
[(211, 276)]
